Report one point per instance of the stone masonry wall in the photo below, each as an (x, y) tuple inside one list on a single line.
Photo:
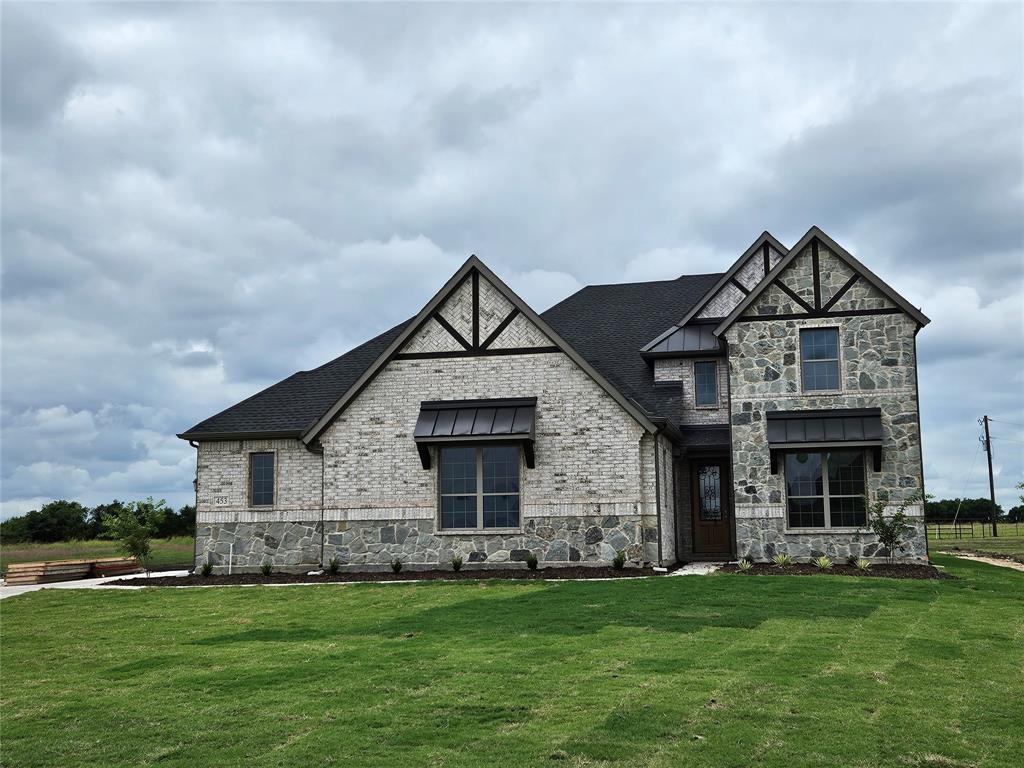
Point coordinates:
[(878, 369)]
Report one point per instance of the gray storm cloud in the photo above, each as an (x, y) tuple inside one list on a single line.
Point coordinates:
[(200, 200)]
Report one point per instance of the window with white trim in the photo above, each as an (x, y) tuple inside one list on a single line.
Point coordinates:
[(819, 359), (479, 486), (833, 498), (705, 383)]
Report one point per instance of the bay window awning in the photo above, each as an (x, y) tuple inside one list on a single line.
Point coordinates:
[(476, 421), (835, 428)]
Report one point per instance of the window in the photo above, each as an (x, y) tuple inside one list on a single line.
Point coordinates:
[(819, 359), (705, 383), (479, 486), (829, 499), (261, 479)]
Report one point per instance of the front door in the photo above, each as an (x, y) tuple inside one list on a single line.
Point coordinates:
[(712, 533)]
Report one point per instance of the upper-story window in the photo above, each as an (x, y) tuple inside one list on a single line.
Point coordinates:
[(479, 486), (261, 479), (819, 359), (705, 383)]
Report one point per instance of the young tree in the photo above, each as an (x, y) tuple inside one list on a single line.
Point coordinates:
[(134, 526), (889, 530)]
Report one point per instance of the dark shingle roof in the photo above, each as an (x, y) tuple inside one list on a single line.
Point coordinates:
[(609, 324), (292, 405), (606, 324)]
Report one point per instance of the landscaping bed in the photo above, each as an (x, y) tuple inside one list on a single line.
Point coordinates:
[(894, 571), (573, 572)]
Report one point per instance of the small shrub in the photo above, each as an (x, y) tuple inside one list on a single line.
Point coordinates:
[(531, 561), (852, 561), (396, 565), (457, 563), (266, 567), (206, 568), (334, 566), (823, 563), (862, 564), (783, 560), (620, 560), (745, 565), (889, 530)]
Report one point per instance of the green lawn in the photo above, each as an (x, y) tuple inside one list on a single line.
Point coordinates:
[(176, 551), (726, 670), (1009, 543)]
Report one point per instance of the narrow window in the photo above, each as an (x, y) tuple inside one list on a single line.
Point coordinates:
[(261, 479), (705, 383), (825, 490), (479, 486), (819, 359)]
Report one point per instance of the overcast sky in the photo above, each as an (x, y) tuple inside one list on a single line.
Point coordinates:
[(200, 200)]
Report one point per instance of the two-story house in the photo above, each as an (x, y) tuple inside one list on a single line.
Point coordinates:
[(708, 417)]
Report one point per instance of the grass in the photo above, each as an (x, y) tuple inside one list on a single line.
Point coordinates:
[(166, 552), (726, 670), (1009, 543)]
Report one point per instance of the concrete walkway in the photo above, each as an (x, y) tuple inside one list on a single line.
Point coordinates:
[(20, 589), (988, 560), (697, 569)]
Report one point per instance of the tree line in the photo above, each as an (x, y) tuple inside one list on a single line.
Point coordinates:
[(68, 520), (945, 510), (64, 520)]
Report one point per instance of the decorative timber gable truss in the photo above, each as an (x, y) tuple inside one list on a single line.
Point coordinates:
[(692, 335), (475, 319), (474, 315), (822, 280)]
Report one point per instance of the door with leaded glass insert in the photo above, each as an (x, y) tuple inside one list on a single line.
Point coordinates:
[(712, 508)]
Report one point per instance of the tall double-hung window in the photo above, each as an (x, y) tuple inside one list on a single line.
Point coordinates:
[(261, 479), (819, 359), (705, 383)]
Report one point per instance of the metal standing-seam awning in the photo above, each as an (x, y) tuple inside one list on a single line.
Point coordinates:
[(476, 421), (834, 428)]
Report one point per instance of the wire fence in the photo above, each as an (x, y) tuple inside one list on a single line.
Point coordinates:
[(967, 529)]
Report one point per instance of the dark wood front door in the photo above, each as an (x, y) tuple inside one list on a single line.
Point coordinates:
[(712, 510)]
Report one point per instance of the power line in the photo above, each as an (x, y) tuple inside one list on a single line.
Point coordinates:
[(1011, 423), (967, 480)]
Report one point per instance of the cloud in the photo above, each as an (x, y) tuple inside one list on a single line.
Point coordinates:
[(201, 200)]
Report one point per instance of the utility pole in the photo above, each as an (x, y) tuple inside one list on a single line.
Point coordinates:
[(991, 481)]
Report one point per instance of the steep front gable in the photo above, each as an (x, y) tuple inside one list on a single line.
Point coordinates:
[(474, 315), (818, 279), (691, 335), (476, 319)]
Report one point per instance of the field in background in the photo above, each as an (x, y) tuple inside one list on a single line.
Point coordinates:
[(977, 537), (167, 553), (723, 670)]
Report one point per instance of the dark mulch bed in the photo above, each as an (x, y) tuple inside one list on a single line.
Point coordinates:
[(895, 571), (326, 578)]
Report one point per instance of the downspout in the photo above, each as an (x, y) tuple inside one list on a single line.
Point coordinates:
[(195, 488), (920, 447), (657, 492), (323, 475), (732, 445)]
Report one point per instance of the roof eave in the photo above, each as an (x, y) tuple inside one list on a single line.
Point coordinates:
[(209, 437)]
